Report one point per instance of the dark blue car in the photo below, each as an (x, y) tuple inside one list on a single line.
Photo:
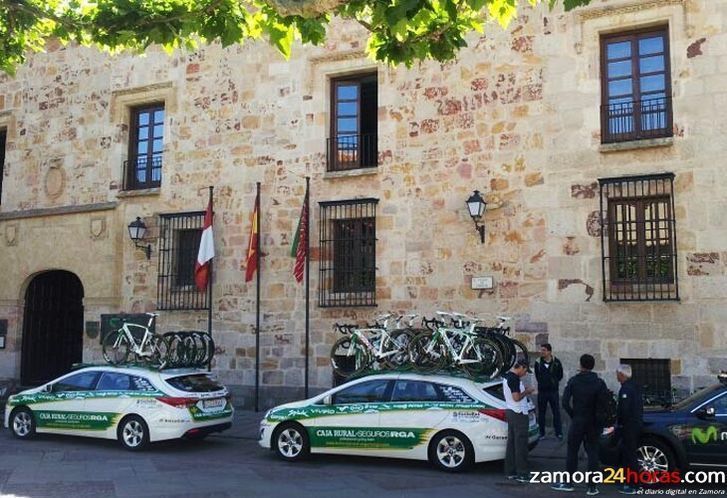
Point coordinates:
[(692, 432)]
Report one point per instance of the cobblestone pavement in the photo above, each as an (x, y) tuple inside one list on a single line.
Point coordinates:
[(233, 465)]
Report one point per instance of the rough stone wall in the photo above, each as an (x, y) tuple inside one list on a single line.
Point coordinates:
[(516, 116)]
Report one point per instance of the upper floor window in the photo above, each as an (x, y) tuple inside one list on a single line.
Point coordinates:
[(348, 253), (354, 123), (638, 239), (635, 86), (179, 239), (3, 141), (146, 146)]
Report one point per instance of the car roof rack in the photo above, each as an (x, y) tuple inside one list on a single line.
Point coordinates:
[(143, 366), (443, 372)]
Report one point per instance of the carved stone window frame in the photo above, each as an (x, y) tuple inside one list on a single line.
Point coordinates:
[(122, 103)]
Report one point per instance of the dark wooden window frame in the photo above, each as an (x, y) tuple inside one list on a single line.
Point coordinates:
[(637, 133), (152, 161), (366, 145), (347, 272), (641, 276), (642, 238)]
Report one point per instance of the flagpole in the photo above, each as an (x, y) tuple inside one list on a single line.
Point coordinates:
[(307, 280), (209, 290), (257, 303)]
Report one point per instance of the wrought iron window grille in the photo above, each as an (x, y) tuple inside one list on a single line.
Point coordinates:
[(347, 271), (654, 377), (638, 238), (179, 239)]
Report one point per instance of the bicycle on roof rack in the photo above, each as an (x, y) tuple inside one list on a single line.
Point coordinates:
[(151, 349), (372, 346), (455, 346)]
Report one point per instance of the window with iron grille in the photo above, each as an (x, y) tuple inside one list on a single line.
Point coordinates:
[(3, 141), (654, 377), (638, 239), (179, 239), (354, 123), (348, 253), (635, 86), (143, 169)]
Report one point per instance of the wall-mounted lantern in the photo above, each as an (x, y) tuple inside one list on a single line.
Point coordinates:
[(137, 230), (476, 206)]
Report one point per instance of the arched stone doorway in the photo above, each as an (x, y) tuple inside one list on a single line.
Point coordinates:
[(52, 326)]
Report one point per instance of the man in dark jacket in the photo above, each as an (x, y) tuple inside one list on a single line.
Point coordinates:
[(549, 373), (629, 421), (580, 401)]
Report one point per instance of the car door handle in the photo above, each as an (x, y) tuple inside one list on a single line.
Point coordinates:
[(434, 408)]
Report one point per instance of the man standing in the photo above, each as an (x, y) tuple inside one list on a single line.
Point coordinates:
[(549, 373), (516, 455), (581, 399), (628, 423)]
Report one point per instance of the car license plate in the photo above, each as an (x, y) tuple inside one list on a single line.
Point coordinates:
[(213, 405)]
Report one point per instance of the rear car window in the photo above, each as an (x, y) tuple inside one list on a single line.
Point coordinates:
[(197, 383), (496, 391)]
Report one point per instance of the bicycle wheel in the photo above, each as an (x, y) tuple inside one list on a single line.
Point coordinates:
[(521, 352), (426, 354), (116, 348), (507, 349), (399, 343), (347, 360), (483, 359), (160, 352)]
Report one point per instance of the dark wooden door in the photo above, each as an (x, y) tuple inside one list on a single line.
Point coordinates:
[(52, 327)]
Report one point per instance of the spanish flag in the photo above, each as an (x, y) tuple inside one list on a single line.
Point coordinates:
[(254, 244)]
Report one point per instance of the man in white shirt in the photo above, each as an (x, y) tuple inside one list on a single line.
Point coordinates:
[(516, 454)]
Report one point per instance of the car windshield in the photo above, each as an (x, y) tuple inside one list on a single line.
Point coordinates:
[(197, 383), (701, 395)]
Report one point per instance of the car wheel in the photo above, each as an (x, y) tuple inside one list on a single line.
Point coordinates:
[(290, 442), (451, 451), (22, 423), (655, 455), (133, 433)]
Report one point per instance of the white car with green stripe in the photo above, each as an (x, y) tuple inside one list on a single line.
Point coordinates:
[(134, 405), (450, 421)]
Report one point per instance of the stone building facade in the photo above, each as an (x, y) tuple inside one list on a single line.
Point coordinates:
[(518, 116)]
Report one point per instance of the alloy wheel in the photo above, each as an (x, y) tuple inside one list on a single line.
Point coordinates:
[(451, 452), (133, 433), (651, 459), (22, 424), (290, 443)]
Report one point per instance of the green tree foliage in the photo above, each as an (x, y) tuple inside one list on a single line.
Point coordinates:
[(400, 31)]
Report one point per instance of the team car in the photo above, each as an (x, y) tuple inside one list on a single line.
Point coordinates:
[(691, 433), (134, 405), (452, 422)]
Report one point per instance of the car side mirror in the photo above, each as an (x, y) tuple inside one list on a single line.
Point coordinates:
[(705, 413), (328, 400), (48, 388)]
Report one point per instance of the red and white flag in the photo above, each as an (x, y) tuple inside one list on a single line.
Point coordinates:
[(206, 252)]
